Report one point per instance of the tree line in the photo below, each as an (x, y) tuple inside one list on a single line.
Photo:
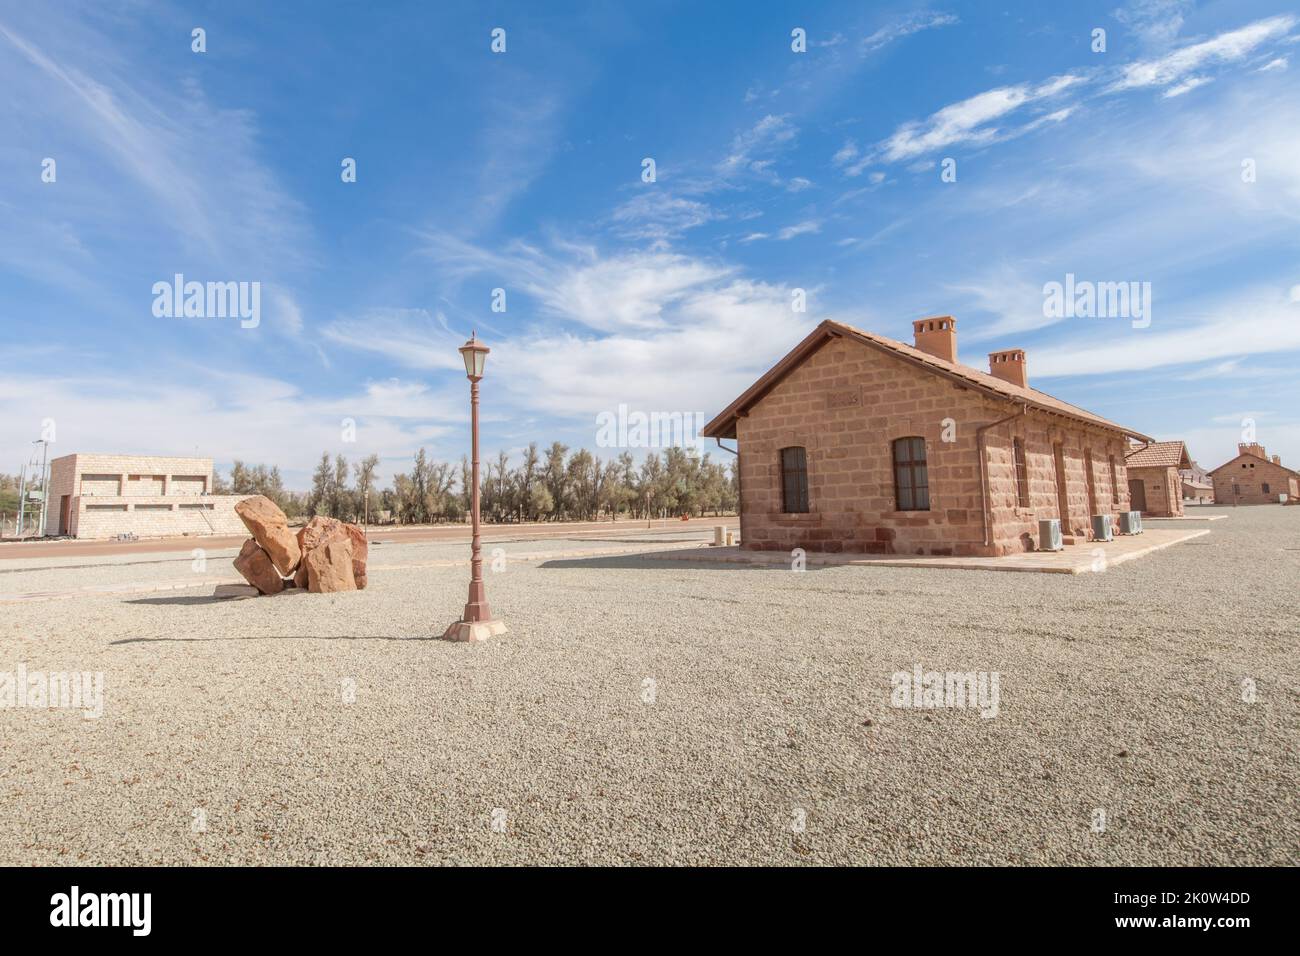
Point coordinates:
[(547, 485)]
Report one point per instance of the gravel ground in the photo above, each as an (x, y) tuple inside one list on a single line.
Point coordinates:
[(669, 712)]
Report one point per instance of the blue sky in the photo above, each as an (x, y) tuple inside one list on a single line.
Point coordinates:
[(776, 170)]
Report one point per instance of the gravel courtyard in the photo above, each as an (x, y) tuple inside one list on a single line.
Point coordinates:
[(665, 712)]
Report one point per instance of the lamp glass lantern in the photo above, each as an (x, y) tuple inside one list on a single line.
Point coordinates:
[(475, 354)]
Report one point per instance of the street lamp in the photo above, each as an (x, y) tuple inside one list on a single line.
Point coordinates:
[(477, 623)]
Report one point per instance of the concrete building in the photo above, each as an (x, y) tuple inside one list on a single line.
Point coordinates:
[(855, 442), (102, 496), (1252, 478), (1154, 481)]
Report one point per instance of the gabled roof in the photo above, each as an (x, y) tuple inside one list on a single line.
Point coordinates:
[(1161, 454), (724, 426), (1252, 458)]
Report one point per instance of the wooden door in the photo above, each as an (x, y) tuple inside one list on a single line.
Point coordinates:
[(1062, 497), (1137, 494)]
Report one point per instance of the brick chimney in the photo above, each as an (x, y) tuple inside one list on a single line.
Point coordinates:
[(1009, 365), (937, 336), (1251, 448), (1277, 460)]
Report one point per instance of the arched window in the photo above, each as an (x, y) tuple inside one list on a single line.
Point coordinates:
[(911, 480), (1022, 472), (794, 480)]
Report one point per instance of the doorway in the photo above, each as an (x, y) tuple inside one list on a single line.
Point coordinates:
[(65, 509), (1137, 493), (1062, 497), (1092, 481)]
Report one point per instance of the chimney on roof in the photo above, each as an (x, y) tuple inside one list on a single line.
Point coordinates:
[(1009, 365), (1251, 448), (937, 336), (1277, 459)]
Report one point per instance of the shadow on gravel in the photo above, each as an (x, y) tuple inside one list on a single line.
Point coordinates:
[(171, 601), (644, 561), (275, 637)]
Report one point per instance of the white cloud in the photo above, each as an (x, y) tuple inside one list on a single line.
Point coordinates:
[(1276, 65), (799, 229), (1227, 47), (1186, 86), (658, 214), (913, 23), (234, 415), (798, 184), (1272, 327), (754, 149), (1156, 22), (642, 327), (409, 337), (968, 121)]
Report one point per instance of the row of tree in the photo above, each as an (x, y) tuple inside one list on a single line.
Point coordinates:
[(550, 485)]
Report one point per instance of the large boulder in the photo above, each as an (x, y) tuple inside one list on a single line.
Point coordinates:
[(329, 566), (257, 568), (320, 530), (269, 526)]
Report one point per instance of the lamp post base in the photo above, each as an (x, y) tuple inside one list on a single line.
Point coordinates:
[(474, 630)]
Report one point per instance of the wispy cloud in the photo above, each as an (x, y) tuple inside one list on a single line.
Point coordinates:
[(970, 121), (906, 26), (1227, 47), (1274, 327), (756, 147), (799, 229)]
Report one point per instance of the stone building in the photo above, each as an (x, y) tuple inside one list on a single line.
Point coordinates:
[(102, 496), (855, 442), (1155, 483), (1252, 478)]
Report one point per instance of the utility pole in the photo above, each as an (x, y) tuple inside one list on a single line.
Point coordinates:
[(22, 500), (45, 485)]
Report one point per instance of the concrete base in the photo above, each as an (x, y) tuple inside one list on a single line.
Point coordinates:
[(479, 631), (1078, 559)]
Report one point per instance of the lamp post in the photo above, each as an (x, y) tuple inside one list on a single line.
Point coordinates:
[(477, 623)]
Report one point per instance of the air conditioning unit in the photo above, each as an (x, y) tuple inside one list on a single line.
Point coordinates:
[(1049, 534), (1130, 522), (1101, 529)]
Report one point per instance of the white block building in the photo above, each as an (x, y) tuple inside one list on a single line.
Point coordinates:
[(101, 496)]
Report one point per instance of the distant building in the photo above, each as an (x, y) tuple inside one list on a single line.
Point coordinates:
[(1155, 485), (102, 496), (1198, 486), (855, 442), (1197, 492), (1252, 478)]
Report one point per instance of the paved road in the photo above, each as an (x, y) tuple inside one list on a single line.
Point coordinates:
[(396, 534)]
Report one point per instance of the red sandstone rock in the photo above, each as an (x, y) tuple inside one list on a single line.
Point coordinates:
[(268, 525), (329, 566), (258, 570), (320, 530)]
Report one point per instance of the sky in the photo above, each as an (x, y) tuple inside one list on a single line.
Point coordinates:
[(910, 160)]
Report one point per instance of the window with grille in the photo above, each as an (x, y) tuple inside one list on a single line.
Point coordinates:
[(794, 480), (911, 480), (1022, 472)]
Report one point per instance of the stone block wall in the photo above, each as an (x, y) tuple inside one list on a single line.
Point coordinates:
[(848, 402)]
